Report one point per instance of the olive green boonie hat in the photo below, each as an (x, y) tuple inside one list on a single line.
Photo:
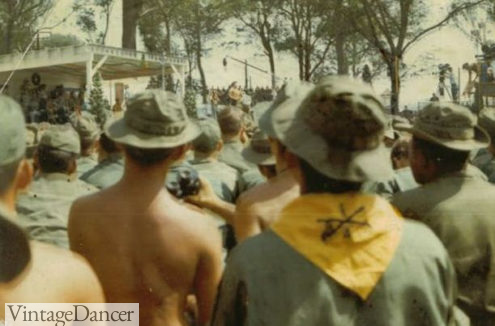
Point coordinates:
[(338, 129), (153, 119), (12, 131), (61, 137), (259, 151), (449, 125), (290, 96)]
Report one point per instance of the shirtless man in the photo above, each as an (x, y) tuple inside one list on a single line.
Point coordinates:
[(31, 271), (257, 208), (144, 245)]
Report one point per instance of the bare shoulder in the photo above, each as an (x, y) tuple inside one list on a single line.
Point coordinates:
[(68, 270), (193, 222)]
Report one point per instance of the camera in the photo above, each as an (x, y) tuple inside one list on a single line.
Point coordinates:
[(182, 181)]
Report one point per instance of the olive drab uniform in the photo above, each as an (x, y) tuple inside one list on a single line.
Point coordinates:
[(107, 173), (223, 178), (44, 209), (298, 285), (459, 209)]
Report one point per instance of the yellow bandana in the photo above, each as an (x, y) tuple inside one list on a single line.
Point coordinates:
[(351, 237)]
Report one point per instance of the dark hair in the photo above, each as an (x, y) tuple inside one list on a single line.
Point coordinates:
[(445, 159), (316, 182), (400, 150), (15, 252), (7, 175), (148, 156), (52, 160), (230, 122), (86, 144), (108, 145)]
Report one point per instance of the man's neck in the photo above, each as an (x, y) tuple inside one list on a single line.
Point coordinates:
[(150, 178), (7, 202)]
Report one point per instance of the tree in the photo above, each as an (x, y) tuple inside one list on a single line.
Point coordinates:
[(98, 104), (19, 21), (86, 18), (262, 19), (391, 27), (197, 22), (308, 35), (60, 40), (131, 11)]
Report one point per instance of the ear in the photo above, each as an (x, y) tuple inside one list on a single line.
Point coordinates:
[(180, 152), (24, 174), (219, 146)]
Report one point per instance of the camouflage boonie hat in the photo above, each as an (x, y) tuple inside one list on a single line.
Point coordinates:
[(449, 125), (61, 137), (12, 131), (153, 119), (486, 120), (259, 151), (338, 129), (291, 95)]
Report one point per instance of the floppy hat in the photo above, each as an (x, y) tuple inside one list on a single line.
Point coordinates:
[(259, 150), (338, 129), (290, 95), (153, 119), (86, 126), (12, 131), (449, 125), (61, 137), (209, 138)]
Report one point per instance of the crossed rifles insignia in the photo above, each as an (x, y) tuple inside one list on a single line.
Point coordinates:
[(333, 224)]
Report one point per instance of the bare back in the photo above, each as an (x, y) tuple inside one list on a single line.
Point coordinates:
[(53, 276), (148, 249)]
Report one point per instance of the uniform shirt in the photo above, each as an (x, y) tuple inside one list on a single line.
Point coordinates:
[(250, 179), (485, 161), (402, 180), (460, 208), (107, 173), (84, 164), (267, 282), (44, 209), (223, 178), (231, 155)]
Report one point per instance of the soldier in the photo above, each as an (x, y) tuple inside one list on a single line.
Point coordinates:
[(234, 137), (88, 131), (130, 231), (485, 159), (337, 256), (44, 209), (31, 271), (456, 205), (110, 166), (223, 178)]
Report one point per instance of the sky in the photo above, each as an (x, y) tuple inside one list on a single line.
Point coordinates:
[(448, 45)]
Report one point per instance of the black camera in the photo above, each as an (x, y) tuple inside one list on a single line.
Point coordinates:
[(182, 181)]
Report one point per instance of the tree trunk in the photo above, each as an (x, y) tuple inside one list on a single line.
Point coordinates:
[(271, 57), (394, 86), (342, 64), (131, 10), (204, 87)]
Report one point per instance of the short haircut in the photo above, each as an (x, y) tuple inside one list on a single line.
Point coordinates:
[(148, 156), (108, 145), (207, 141), (86, 143), (230, 121), (317, 182), (51, 160), (7, 175), (15, 252), (445, 159)]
